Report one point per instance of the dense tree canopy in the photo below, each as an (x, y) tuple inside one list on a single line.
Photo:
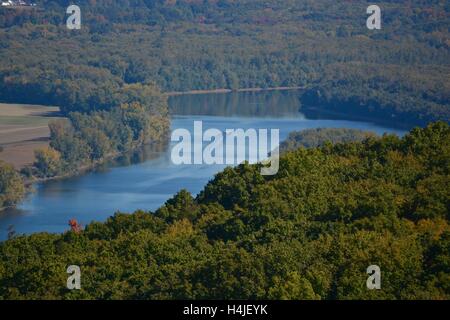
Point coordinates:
[(400, 72), (311, 138), (87, 138), (310, 232)]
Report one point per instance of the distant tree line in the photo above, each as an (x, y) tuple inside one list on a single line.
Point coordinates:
[(399, 72), (394, 94)]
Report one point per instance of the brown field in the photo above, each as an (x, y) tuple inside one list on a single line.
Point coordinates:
[(23, 128)]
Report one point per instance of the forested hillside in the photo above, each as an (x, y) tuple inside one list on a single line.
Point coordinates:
[(399, 73), (311, 138), (310, 232)]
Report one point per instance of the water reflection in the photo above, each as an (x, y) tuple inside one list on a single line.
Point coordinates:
[(145, 153), (242, 104)]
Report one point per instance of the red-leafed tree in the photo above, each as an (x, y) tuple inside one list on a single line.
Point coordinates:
[(75, 226)]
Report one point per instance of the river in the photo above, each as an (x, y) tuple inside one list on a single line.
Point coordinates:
[(146, 179)]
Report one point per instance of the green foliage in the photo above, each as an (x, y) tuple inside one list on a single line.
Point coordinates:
[(11, 186), (310, 232), (89, 138), (311, 138), (399, 73), (48, 162), (391, 94)]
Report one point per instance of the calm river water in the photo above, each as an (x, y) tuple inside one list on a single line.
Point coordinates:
[(146, 179)]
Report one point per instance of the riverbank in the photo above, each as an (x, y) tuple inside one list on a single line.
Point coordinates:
[(92, 166), (193, 92), (30, 182)]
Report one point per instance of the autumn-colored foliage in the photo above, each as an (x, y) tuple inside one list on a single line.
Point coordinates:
[(75, 226)]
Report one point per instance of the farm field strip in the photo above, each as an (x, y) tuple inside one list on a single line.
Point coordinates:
[(23, 129)]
